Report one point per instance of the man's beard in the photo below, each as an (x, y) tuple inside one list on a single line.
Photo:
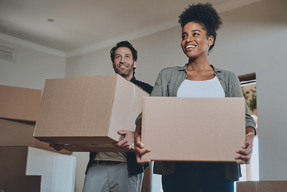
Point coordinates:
[(125, 74)]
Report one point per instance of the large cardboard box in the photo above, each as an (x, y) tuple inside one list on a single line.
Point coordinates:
[(57, 171), (261, 186), (83, 111), (193, 129), (19, 103), (16, 183), (14, 133)]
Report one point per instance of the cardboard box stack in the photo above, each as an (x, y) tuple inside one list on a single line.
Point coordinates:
[(85, 113), (18, 115), (261, 186), (193, 129), (51, 171)]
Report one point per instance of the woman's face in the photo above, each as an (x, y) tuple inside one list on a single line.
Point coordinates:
[(195, 42)]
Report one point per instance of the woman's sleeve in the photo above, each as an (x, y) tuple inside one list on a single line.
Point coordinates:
[(157, 91), (237, 92)]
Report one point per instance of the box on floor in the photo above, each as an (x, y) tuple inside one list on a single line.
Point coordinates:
[(16, 183), (57, 171), (261, 186)]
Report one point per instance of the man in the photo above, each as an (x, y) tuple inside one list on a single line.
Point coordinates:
[(117, 171)]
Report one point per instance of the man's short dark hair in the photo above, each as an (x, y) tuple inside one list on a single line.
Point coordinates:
[(124, 44)]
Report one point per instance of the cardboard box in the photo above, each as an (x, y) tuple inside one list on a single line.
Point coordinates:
[(57, 170), (13, 133), (261, 186), (19, 103), (16, 183), (87, 110), (193, 129)]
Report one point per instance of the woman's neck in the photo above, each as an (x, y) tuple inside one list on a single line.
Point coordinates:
[(198, 64)]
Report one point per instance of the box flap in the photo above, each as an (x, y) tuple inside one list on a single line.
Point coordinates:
[(127, 105)]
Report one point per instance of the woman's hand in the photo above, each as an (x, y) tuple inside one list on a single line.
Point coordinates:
[(57, 147), (128, 141), (139, 146), (244, 154)]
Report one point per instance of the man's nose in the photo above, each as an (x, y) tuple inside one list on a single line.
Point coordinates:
[(122, 60)]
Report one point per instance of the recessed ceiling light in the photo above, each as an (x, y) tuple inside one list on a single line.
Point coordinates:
[(51, 20)]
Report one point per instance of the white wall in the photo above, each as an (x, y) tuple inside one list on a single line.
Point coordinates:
[(252, 39), (31, 68)]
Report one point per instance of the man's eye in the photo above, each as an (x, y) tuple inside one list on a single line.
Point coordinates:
[(195, 34)]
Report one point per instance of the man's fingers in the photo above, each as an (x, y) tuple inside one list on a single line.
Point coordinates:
[(57, 147), (139, 144), (122, 132), (122, 142), (139, 153)]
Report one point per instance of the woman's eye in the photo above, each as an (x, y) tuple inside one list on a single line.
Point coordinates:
[(184, 37)]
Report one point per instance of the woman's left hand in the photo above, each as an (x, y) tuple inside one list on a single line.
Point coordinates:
[(244, 154)]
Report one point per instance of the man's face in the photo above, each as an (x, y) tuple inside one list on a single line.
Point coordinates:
[(123, 62)]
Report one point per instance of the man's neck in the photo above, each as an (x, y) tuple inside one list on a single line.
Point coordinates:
[(128, 78)]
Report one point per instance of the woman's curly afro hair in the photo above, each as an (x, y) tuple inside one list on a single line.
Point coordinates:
[(204, 14)]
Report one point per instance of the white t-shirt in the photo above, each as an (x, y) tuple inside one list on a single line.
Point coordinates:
[(207, 88)]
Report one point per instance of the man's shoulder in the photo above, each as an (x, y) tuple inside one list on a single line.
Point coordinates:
[(145, 86)]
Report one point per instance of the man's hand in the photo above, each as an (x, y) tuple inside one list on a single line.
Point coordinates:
[(57, 147), (246, 151), (128, 141)]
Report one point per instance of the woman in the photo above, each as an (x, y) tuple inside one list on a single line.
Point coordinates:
[(199, 79)]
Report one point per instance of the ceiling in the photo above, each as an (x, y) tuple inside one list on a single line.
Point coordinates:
[(76, 24)]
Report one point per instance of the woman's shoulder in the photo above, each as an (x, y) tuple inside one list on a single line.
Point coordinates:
[(225, 73), (229, 76), (168, 70)]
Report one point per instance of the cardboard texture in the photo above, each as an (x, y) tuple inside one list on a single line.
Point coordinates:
[(56, 170), (13, 133), (261, 186), (19, 103), (17, 183), (193, 129), (87, 110)]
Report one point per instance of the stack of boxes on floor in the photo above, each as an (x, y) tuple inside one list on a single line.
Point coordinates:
[(27, 164)]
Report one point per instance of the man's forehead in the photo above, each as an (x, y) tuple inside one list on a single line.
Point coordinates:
[(123, 50)]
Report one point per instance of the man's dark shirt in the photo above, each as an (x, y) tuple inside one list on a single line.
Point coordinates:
[(133, 167)]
